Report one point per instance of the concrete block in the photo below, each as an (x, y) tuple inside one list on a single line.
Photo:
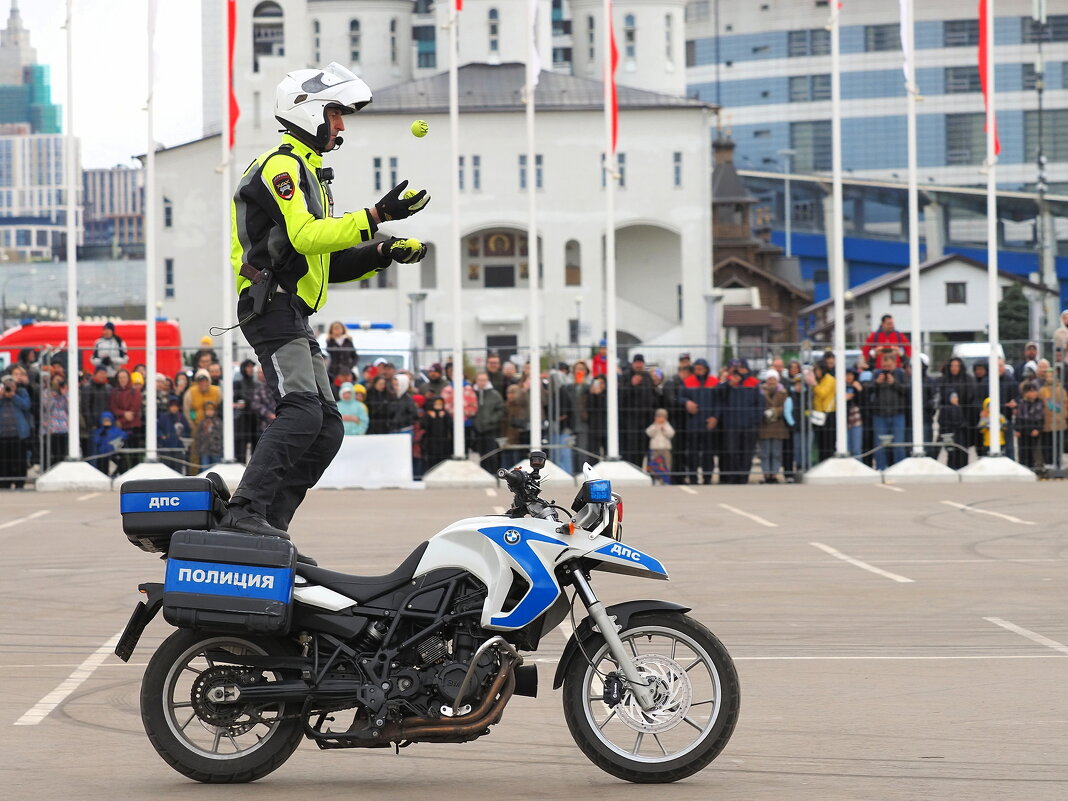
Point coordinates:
[(623, 474), (995, 469), (145, 471), (920, 470), (453, 473), (73, 476), (842, 470), (552, 474), (230, 472)]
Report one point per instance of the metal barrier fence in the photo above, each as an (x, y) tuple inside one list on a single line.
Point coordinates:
[(574, 411)]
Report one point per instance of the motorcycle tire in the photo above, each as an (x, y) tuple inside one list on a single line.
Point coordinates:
[(189, 731), (695, 685)]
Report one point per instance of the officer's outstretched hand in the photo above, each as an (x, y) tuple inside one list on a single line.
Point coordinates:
[(405, 251), (398, 204)]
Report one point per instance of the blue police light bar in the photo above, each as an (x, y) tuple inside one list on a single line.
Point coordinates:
[(599, 491), (366, 325)]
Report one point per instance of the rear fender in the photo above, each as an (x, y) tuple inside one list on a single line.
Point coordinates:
[(622, 613), (141, 617)]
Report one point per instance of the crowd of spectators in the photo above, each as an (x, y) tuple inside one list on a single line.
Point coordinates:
[(682, 425)]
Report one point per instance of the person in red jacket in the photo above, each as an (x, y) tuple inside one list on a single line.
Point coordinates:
[(600, 359), (126, 406), (886, 336)]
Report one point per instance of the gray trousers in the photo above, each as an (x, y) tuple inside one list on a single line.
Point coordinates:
[(307, 431)]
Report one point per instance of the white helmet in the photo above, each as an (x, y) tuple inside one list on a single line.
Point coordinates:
[(303, 97)]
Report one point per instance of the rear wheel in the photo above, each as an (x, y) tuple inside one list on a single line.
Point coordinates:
[(697, 700), (208, 741)]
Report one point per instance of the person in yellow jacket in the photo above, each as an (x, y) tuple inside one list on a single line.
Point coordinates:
[(286, 248), (823, 408)]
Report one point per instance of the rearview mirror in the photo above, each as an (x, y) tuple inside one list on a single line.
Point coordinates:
[(537, 460)]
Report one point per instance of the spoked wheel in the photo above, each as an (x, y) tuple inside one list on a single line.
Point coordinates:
[(696, 691), (191, 725)]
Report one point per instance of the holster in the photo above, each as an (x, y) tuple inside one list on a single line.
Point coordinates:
[(263, 286)]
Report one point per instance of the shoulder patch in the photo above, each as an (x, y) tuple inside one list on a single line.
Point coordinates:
[(283, 185)]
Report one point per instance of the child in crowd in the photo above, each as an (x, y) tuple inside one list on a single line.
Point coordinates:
[(107, 438), (208, 437), (951, 428), (1030, 417), (171, 428), (352, 408), (984, 427), (660, 433)]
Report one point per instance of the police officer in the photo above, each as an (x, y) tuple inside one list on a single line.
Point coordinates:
[(286, 248)]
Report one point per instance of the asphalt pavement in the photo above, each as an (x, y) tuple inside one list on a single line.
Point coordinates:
[(892, 643)]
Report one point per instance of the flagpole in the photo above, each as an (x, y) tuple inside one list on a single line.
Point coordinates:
[(151, 454), (532, 240), (74, 361), (838, 240), (993, 376), (227, 286), (612, 445), (908, 31), (458, 448)]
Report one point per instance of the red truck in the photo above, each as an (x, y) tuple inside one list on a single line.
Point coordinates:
[(54, 335)]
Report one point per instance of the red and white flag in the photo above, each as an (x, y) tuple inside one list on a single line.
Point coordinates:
[(231, 27), (459, 5), (613, 64), (986, 52)]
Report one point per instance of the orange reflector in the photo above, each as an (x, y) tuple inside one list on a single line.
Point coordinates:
[(570, 528)]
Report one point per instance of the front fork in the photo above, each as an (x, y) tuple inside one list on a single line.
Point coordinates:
[(607, 627)]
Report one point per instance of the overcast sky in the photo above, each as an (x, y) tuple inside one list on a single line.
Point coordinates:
[(110, 61)]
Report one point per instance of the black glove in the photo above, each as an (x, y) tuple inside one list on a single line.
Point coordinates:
[(106, 361), (397, 204), (405, 251)]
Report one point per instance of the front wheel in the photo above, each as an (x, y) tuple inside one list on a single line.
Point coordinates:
[(215, 742), (697, 700)]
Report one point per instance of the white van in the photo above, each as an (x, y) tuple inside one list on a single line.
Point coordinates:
[(375, 341), (972, 352)]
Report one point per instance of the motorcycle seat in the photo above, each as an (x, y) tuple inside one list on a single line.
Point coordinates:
[(363, 588)]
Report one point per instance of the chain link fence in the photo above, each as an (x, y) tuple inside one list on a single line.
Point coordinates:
[(687, 413)]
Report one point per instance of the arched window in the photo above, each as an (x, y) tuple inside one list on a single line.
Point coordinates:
[(354, 41), (393, 49), (669, 38), (316, 53), (591, 38), (268, 33), (494, 31), (630, 32), (572, 263)]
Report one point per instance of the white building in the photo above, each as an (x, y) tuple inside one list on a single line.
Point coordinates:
[(662, 204), (114, 205), (954, 301)]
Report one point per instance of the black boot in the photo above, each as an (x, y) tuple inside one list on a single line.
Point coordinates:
[(240, 518)]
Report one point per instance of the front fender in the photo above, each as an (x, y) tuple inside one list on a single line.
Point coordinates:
[(622, 613)]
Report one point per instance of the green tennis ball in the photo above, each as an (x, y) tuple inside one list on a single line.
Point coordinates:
[(420, 129), (412, 193)]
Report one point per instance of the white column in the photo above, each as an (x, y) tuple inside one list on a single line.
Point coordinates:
[(908, 30), (150, 247), (227, 287), (74, 448), (610, 243), (458, 449), (534, 328), (993, 376), (838, 251)]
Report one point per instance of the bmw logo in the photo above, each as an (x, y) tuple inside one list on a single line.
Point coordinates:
[(511, 536)]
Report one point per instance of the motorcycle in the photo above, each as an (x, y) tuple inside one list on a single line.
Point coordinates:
[(271, 648)]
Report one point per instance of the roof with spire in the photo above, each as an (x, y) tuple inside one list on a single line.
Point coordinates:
[(727, 186), (489, 87)]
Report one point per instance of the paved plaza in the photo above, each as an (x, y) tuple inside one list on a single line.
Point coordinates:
[(892, 643)]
